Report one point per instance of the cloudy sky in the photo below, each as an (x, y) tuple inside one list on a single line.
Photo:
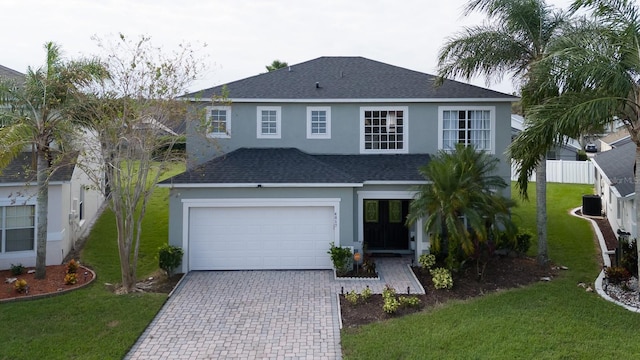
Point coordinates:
[(242, 36)]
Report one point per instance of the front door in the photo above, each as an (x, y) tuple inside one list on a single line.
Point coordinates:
[(384, 224)]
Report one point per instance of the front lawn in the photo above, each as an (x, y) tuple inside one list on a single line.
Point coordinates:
[(543, 321), (91, 323)]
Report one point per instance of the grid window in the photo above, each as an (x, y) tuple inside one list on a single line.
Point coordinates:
[(17, 227), (384, 130), (318, 122), (468, 127), (268, 122), (218, 121)]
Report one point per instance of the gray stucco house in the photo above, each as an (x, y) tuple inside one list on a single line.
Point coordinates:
[(323, 151)]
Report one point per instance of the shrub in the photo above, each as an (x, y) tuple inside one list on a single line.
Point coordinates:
[(21, 285), (388, 292), (368, 265), (409, 301), (341, 258), (366, 294), (72, 267), (427, 260), (352, 297), (71, 278), (520, 243), (391, 305), (17, 269), (629, 256), (441, 278), (523, 242), (617, 274), (170, 257)]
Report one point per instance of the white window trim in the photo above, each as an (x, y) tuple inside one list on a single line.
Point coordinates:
[(405, 130), (327, 110), (20, 201), (492, 112), (259, 133), (219, 135)]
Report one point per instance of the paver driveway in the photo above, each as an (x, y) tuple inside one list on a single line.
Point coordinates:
[(246, 315)]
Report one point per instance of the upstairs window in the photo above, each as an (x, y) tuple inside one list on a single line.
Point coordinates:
[(268, 124), (219, 121), (468, 126), (318, 122), (384, 130)]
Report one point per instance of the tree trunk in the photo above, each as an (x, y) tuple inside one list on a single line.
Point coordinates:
[(636, 175), (42, 168), (541, 212), (125, 235)]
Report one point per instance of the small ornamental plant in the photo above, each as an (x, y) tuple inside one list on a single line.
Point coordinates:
[(72, 267), (366, 294), (17, 269), (409, 301), (352, 297), (617, 274), (391, 304), (427, 261), (71, 279), (441, 278), (21, 285)]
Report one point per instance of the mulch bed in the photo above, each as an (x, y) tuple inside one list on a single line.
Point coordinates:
[(53, 282), (501, 273)]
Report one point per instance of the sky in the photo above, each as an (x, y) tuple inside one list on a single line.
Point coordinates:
[(242, 36)]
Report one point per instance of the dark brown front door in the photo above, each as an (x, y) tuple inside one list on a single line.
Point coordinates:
[(384, 227)]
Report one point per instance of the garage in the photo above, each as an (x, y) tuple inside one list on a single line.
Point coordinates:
[(257, 236)]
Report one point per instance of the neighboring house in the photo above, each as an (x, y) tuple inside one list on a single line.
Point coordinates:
[(615, 184), (567, 151), (319, 152), (73, 204)]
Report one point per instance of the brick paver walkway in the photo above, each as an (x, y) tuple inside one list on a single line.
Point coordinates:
[(258, 314)]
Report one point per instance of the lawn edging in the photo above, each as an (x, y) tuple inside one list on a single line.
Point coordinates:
[(607, 262)]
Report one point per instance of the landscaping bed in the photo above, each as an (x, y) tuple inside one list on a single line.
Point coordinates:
[(53, 283), (501, 273)]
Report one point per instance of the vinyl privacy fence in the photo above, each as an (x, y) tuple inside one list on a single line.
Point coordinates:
[(565, 171)]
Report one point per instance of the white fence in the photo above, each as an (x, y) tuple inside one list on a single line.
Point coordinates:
[(565, 171)]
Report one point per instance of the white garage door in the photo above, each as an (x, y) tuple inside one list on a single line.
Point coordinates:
[(253, 238)]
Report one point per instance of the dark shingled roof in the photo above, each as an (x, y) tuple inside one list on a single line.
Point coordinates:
[(618, 164), (21, 170), (289, 165), (347, 78), (11, 74)]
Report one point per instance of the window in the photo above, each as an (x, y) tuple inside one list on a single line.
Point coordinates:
[(219, 121), (384, 130), (318, 122), (17, 228), (81, 204), (268, 122), (472, 126)]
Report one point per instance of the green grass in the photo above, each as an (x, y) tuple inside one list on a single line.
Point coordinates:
[(555, 320), (91, 323)]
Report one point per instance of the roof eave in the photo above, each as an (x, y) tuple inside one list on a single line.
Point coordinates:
[(260, 185), (363, 100)]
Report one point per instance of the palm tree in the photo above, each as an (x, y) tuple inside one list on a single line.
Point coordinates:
[(461, 203), (276, 64), (517, 36), (37, 121), (597, 71)]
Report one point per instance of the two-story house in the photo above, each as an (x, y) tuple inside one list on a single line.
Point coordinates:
[(323, 151)]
